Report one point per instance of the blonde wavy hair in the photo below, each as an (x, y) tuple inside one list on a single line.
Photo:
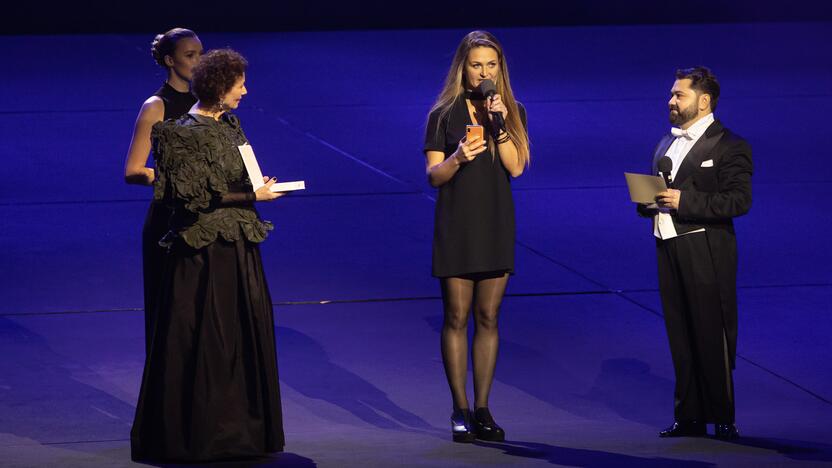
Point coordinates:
[(455, 86)]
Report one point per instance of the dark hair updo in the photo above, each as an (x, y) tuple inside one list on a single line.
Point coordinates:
[(165, 44), (215, 75)]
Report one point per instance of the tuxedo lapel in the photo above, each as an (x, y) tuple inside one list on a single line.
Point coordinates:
[(661, 150), (698, 153)]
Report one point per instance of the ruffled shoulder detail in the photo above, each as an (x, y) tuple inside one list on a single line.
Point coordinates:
[(188, 169), (196, 160), (232, 120)]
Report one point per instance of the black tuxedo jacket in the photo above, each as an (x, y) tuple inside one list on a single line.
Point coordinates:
[(715, 181)]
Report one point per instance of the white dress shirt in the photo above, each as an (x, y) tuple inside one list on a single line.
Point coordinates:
[(662, 223)]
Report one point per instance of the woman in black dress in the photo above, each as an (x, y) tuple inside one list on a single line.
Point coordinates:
[(473, 244), (210, 386), (177, 51)]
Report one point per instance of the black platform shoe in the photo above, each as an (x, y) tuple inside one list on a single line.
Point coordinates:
[(684, 429), (461, 428), (726, 432), (486, 428)]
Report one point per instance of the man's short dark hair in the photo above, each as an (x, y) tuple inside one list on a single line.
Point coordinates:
[(703, 81)]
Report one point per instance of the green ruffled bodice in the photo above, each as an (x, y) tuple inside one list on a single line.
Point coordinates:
[(197, 163)]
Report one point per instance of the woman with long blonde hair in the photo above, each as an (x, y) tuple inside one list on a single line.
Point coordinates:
[(473, 246)]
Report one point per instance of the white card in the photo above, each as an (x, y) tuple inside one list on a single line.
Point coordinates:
[(288, 186), (252, 167)]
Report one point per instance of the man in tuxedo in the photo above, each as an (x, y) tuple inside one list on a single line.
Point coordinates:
[(697, 252)]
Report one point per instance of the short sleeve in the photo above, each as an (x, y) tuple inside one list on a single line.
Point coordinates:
[(188, 172), (435, 132)]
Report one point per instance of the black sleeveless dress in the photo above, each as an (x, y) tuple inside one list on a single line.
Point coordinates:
[(474, 219), (177, 104)]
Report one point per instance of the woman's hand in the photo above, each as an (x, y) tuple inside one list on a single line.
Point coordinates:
[(265, 193), (495, 104), (468, 150)]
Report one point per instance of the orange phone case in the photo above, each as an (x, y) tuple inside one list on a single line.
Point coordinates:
[(471, 130)]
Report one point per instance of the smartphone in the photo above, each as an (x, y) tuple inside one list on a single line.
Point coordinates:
[(474, 130)]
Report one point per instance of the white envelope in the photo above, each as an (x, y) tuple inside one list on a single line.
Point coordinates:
[(708, 163), (256, 176), (252, 167), (288, 186)]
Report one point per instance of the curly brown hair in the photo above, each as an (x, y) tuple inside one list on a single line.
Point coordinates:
[(215, 75)]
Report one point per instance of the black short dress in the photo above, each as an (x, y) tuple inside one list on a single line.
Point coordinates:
[(474, 221)]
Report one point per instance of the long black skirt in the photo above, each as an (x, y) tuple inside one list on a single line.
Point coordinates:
[(153, 262), (210, 387)]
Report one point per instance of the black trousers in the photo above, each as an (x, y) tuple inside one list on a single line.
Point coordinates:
[(693, 317)]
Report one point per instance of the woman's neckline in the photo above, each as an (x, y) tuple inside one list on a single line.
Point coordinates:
[(168, 85), (473, 95), (207, 116)]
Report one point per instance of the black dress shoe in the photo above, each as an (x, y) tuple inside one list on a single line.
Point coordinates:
[(726, 432), (684, 429), (486, 428), (461, 428)]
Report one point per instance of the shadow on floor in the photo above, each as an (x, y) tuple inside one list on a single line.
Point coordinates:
[(306, 368), (793, 449), (280, 460), (42, 397), (629, 388), (585, 458), (626, 386)]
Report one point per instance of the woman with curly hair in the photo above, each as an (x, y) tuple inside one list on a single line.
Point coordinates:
[(210, 387), (473, 242), (177, 51)]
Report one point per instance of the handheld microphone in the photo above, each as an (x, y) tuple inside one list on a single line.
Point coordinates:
[(488, 90), (665, 167)]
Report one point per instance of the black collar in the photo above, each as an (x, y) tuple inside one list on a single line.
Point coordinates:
[(474, 95)]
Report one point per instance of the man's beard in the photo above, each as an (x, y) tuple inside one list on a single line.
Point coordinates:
[(682, 116)]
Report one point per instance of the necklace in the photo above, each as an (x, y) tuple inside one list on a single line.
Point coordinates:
[(213, 115)]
